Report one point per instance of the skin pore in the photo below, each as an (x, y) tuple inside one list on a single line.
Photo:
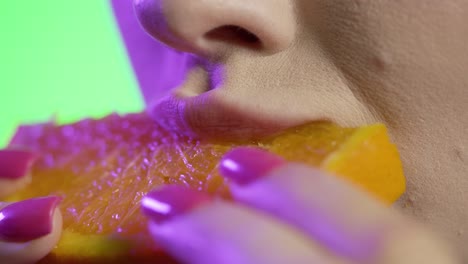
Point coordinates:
[(249, 68), (353, 62)]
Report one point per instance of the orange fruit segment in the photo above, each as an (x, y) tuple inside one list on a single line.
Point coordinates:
[(103, 168)]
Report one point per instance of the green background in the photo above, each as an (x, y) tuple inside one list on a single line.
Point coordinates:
[(61, 59)]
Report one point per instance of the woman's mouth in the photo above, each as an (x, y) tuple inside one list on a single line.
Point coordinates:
[(202, 106), (250, 98), (253, 95)]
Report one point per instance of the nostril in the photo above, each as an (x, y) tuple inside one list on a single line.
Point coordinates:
[(236, 35), (217, 28)]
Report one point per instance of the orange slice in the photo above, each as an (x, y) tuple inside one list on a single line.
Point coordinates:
[(103, 168)]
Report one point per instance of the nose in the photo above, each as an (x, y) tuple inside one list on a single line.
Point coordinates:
[(214, 27)]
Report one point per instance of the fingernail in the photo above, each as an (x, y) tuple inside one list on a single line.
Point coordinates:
[(163, 204), (244, 165), (28, 220), (15, 164)]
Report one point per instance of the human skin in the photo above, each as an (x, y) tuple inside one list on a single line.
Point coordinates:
[(353, 62), (29, 229), (285, 213)]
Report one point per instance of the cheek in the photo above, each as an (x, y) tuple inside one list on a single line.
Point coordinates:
[(354, 38), (377, 47), (351, 33), (395, 54)]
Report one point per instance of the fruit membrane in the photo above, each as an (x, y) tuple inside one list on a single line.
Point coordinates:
[(103, 168)]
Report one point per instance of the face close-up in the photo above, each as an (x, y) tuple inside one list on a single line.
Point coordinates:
[(250, 68)]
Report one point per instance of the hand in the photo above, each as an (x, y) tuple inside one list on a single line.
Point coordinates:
[(29, 229), (285, 213), (15, 247)]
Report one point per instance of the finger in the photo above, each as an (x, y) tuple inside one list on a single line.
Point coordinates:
[(195, 229), (328, 209), (15, 170), (29, 229)]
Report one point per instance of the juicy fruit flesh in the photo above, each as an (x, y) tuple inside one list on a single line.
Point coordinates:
[(103, 168)]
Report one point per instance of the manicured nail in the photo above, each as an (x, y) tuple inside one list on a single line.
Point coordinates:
[(28, 220), (15, 164), (170, 201), (244, 165)]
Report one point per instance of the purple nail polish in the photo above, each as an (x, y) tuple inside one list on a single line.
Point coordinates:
[(165, 203), (15, 164), (28, 220), (246, 164)]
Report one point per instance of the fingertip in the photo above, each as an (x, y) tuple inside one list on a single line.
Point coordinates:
[(31, 251), (15, 170), (16, 163), (28, 219), (222, 232), (171, 201), (245, 165), (328, 210)]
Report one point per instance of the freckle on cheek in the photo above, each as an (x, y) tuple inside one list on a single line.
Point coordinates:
[(458, 154), (380, 62)]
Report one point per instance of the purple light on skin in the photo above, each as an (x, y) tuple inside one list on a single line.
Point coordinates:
[(157, 67), (361, 245), (216, 75)]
